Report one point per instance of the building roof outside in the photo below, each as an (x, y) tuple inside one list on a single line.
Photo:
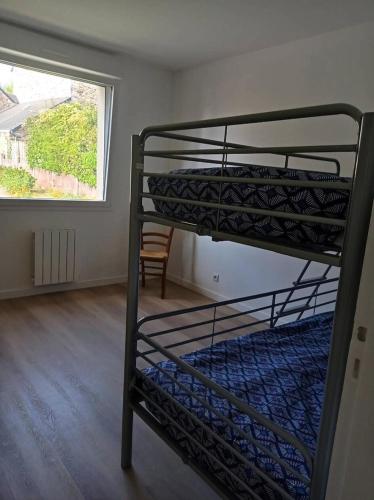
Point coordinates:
[(14, 117)]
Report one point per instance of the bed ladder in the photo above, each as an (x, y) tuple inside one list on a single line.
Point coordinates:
[(302, 279)]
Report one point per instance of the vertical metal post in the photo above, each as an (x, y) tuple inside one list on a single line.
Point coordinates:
[(214, 324), (132, 299), (352, 260), (272, 323)]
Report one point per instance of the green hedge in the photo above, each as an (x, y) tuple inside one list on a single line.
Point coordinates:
[(63, 140), (16, 180)]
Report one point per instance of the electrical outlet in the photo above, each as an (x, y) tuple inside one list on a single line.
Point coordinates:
[(216, 278)]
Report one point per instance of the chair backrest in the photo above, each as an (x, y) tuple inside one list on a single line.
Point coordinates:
[(159, 239)]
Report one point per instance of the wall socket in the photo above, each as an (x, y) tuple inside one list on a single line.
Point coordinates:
[(216, 277)]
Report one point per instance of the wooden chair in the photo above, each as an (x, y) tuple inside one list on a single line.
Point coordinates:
[(161, 256)]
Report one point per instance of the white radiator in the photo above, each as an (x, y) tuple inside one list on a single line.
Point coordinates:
[(54, 254)]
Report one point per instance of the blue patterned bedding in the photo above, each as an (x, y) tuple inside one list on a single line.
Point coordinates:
[(299, 200), (280, 372)]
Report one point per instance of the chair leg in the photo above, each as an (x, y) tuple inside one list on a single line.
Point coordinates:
[(143, 273), (163, 280)]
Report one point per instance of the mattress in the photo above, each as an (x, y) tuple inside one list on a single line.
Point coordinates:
[(330, 203), (280, 372)]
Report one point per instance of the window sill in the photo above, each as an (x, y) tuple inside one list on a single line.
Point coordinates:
[(33, 204)]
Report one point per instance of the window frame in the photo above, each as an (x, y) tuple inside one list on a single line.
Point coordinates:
[(109, 82)]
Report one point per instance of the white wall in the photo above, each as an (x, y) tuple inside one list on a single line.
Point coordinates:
[(351, 473), (142, 96), (335, 67)]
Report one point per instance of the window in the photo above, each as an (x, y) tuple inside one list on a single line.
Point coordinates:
[(54, 134)]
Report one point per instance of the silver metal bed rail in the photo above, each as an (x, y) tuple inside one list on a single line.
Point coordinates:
[(314, 254), (268, 116), (361, 190), (328, 148), (308, 252), (200, 140), (270, 311)]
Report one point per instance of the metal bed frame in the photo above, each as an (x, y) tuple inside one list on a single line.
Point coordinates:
[(350, 260)]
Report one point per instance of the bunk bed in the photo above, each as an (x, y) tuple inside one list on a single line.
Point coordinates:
[(254, 413)]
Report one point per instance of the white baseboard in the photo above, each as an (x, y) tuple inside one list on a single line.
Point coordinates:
[(62, 287), (196, 288), (214, 295)]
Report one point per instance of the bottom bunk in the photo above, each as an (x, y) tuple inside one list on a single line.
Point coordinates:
[(280, 374)]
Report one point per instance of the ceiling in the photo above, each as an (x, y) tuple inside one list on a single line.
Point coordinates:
[(182, 33)]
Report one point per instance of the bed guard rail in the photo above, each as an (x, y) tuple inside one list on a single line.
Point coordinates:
[(323, 293), (219, 154), (213, 142)]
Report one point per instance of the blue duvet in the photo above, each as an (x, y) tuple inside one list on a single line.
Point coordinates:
[(281, 373), (330, 203)]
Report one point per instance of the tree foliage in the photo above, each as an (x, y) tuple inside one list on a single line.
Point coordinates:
[(16, 181), (63, 140)]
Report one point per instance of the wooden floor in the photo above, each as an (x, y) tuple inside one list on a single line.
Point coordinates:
[(61, 365)]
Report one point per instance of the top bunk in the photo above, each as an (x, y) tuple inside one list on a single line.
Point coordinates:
[(301, 212)]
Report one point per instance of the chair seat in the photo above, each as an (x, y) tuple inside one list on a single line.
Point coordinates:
[(162, 241), (153, 254)]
